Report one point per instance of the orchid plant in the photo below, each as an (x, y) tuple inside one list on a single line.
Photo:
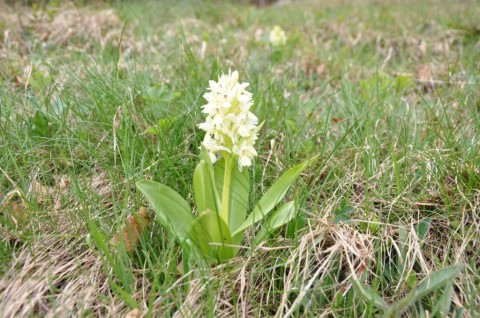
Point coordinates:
[(277, 36), (221, 183)]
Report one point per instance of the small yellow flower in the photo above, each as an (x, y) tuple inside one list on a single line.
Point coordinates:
[(278, 36)]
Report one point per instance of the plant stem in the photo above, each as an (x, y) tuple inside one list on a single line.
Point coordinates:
[(227, 178)]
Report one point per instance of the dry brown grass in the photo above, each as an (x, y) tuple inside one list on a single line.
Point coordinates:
[(57, 275), (55, 278), (60, 276)]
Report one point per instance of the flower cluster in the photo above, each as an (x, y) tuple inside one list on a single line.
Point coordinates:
[(278, 36), (230, 127)]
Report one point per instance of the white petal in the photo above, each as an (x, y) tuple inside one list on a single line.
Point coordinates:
[(244, 161), (213, 157), (243, 131)]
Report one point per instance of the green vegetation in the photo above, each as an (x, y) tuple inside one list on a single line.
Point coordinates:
[(96, 98)]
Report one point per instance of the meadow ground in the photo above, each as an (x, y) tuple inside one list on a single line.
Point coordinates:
[(97, 97)]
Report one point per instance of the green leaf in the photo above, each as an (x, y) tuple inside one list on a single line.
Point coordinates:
[(401, 305), (437, 279), (444, 303), (162, 126), (458, 313), (274, 195), (423, 227), (375, 86), (341, 218), (403, 246), (282, 216), (156, 99), (205, 193), (368, 294), (42, 126), (347, 210), (402, 82), (432, 282), (343, 212), (239, 195), (171, 209), (411, 280), (209, 228)]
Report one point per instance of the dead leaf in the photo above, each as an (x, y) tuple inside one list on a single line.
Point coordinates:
[(132, 230), (39, 191), (19, 214), (64, 182), (424, 76), (422, 48), (321, 68), (337, 120), (134, 313), (12, 205), (311, 65), (180, 268), (101, 184)]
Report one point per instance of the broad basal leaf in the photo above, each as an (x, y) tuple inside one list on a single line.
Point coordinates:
[(209, 233), (274, 195), (171, 209), (280, 217)]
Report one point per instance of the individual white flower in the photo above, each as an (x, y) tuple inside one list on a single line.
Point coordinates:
[(213, 146), (245, 152), (230, 126), (278, 36)]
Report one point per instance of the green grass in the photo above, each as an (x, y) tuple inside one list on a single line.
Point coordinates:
[(399, 158)]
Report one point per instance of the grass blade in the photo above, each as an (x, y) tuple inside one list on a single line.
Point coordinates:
[(432, 282)]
